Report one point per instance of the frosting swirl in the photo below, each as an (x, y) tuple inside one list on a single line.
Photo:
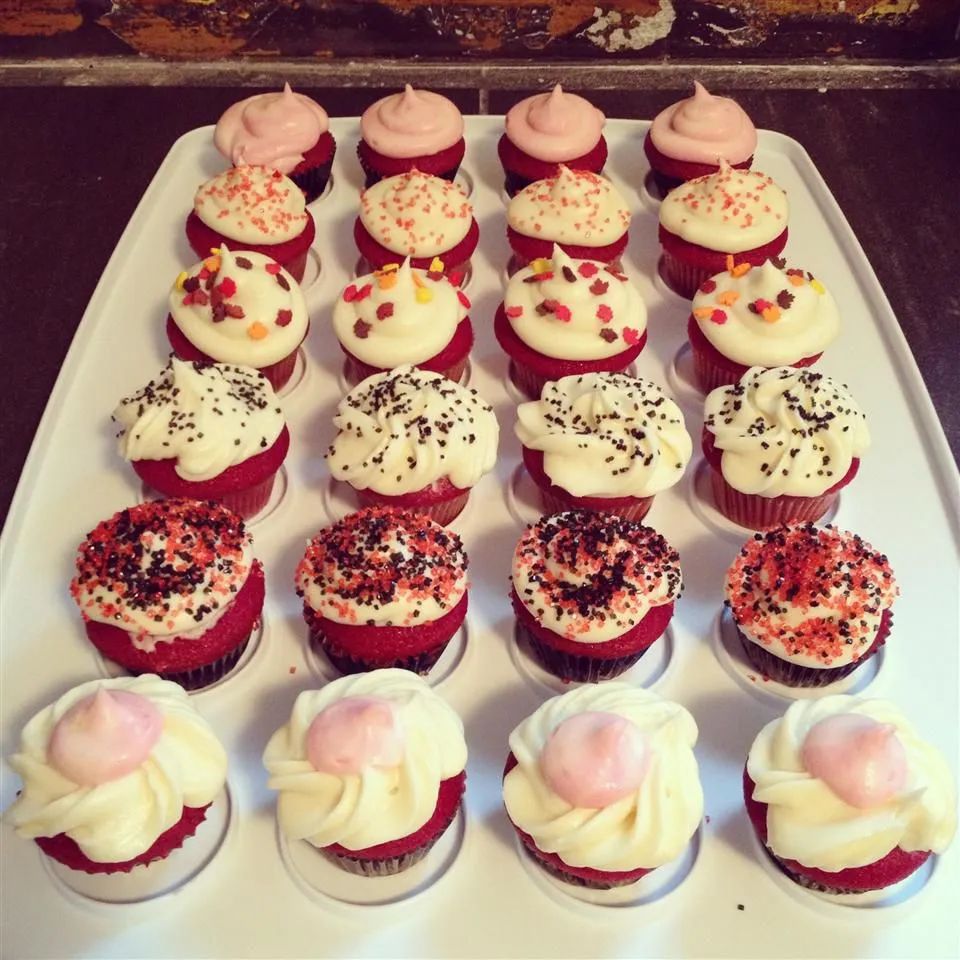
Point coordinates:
[(380, 802), (808, 821), (785, 431), (606, 435), (646, 826), (403, 430), (117, 817), (555, 126), (414, 123)]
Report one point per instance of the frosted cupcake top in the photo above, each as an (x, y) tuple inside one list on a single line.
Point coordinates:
[(383, 567), (255, 205), (591, 577), (403, 430), (555, 126), (574, 309), (606, 435), (814, 596), (414, 123), (703, 128), (606, 778), (766, 316), (361, 761), (112, 764), (785, 431), (730, 210), (846, 780)]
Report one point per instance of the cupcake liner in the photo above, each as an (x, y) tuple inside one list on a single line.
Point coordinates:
[(209, 673), (574, 668), (313, 181), (573, 879), (558, 503), (443, 511), (388, 867), (280, 372), (420, 663), (248, 503), (682, 278), (374, 176), (809, 883), (763, 513)]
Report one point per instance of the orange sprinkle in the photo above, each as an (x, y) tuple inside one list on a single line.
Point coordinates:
[(795, 279), (256, 330), (730, 262), (703, 313), (771, 314), (728, 298), (741, 268)]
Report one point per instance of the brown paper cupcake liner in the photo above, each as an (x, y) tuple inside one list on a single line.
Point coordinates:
[(573, 880), (313, 181), (421, 663), (577, 668), (764, 513), (210, 673)]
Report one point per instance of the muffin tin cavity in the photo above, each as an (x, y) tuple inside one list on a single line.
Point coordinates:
[(312, 271), (301, 372), (682, 378)]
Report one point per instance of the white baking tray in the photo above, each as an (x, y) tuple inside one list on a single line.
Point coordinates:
[(246, 902)]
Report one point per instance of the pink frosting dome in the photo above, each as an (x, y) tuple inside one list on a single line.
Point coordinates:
[(270, 130), (594, 759), (414, 123), (354, 734), (104, 737), (703, 128), (555, 126), (860, 760)]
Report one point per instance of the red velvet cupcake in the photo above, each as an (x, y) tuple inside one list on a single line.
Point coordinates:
[(592, 592), (189, 620)]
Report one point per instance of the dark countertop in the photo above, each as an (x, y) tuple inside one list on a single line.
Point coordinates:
[(79, 160)]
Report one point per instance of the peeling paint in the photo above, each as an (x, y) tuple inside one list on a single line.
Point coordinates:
[(614, 31), (890, 8)]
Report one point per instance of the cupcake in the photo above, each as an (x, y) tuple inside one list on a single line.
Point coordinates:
[(256, 210), (810, 604), (243, 309), (602, 442), (383, 588), (205, 431), (418, 216), (547, 130), (687, 140), (413, 439), (592, 592), (601, 784), (781, 444), (579, 211), (413, 130), (170, 587), (116, 774), (369, 770), (846, 797), (282, 131), (766, 316), (401, 315), (723, 221), (562, 317)]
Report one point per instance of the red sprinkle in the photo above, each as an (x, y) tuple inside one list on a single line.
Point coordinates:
[(464, 299), (708, 286), (630, 336), (514, 312), (385, 310), (599, 287), (587, 270), (272, 268), (604, 313), (718, 316), (284, 317), (350, 294), (227, 287)]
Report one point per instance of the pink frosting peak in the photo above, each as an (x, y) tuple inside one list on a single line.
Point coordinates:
[(104, 737), (594, 759), (354, 734), (414, 123), (270, 130), (555, 126), (862, 761)]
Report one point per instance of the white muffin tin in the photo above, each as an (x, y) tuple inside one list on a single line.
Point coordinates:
[(475, 896)]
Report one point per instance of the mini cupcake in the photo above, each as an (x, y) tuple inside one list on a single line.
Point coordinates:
[(369, 770), (602, 786), (592, 592), (602, 442), (418, 216), (413, 439), (547, 130), (717, 223), (581, 212), (253, 209), (563, 317), (170, 587), (781, 444), (383, 588), (205, 431), (766, 316), (687, 140), (413, 130), (116, 774), (242, 309), (810, 604), (283, 131), (846, 797), (402, 315)]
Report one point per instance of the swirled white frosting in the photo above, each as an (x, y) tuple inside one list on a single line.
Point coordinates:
[(606, 435), (405, 429), (785, 431), (119, 819), (808, 822), (647, 828), (379, 804)]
